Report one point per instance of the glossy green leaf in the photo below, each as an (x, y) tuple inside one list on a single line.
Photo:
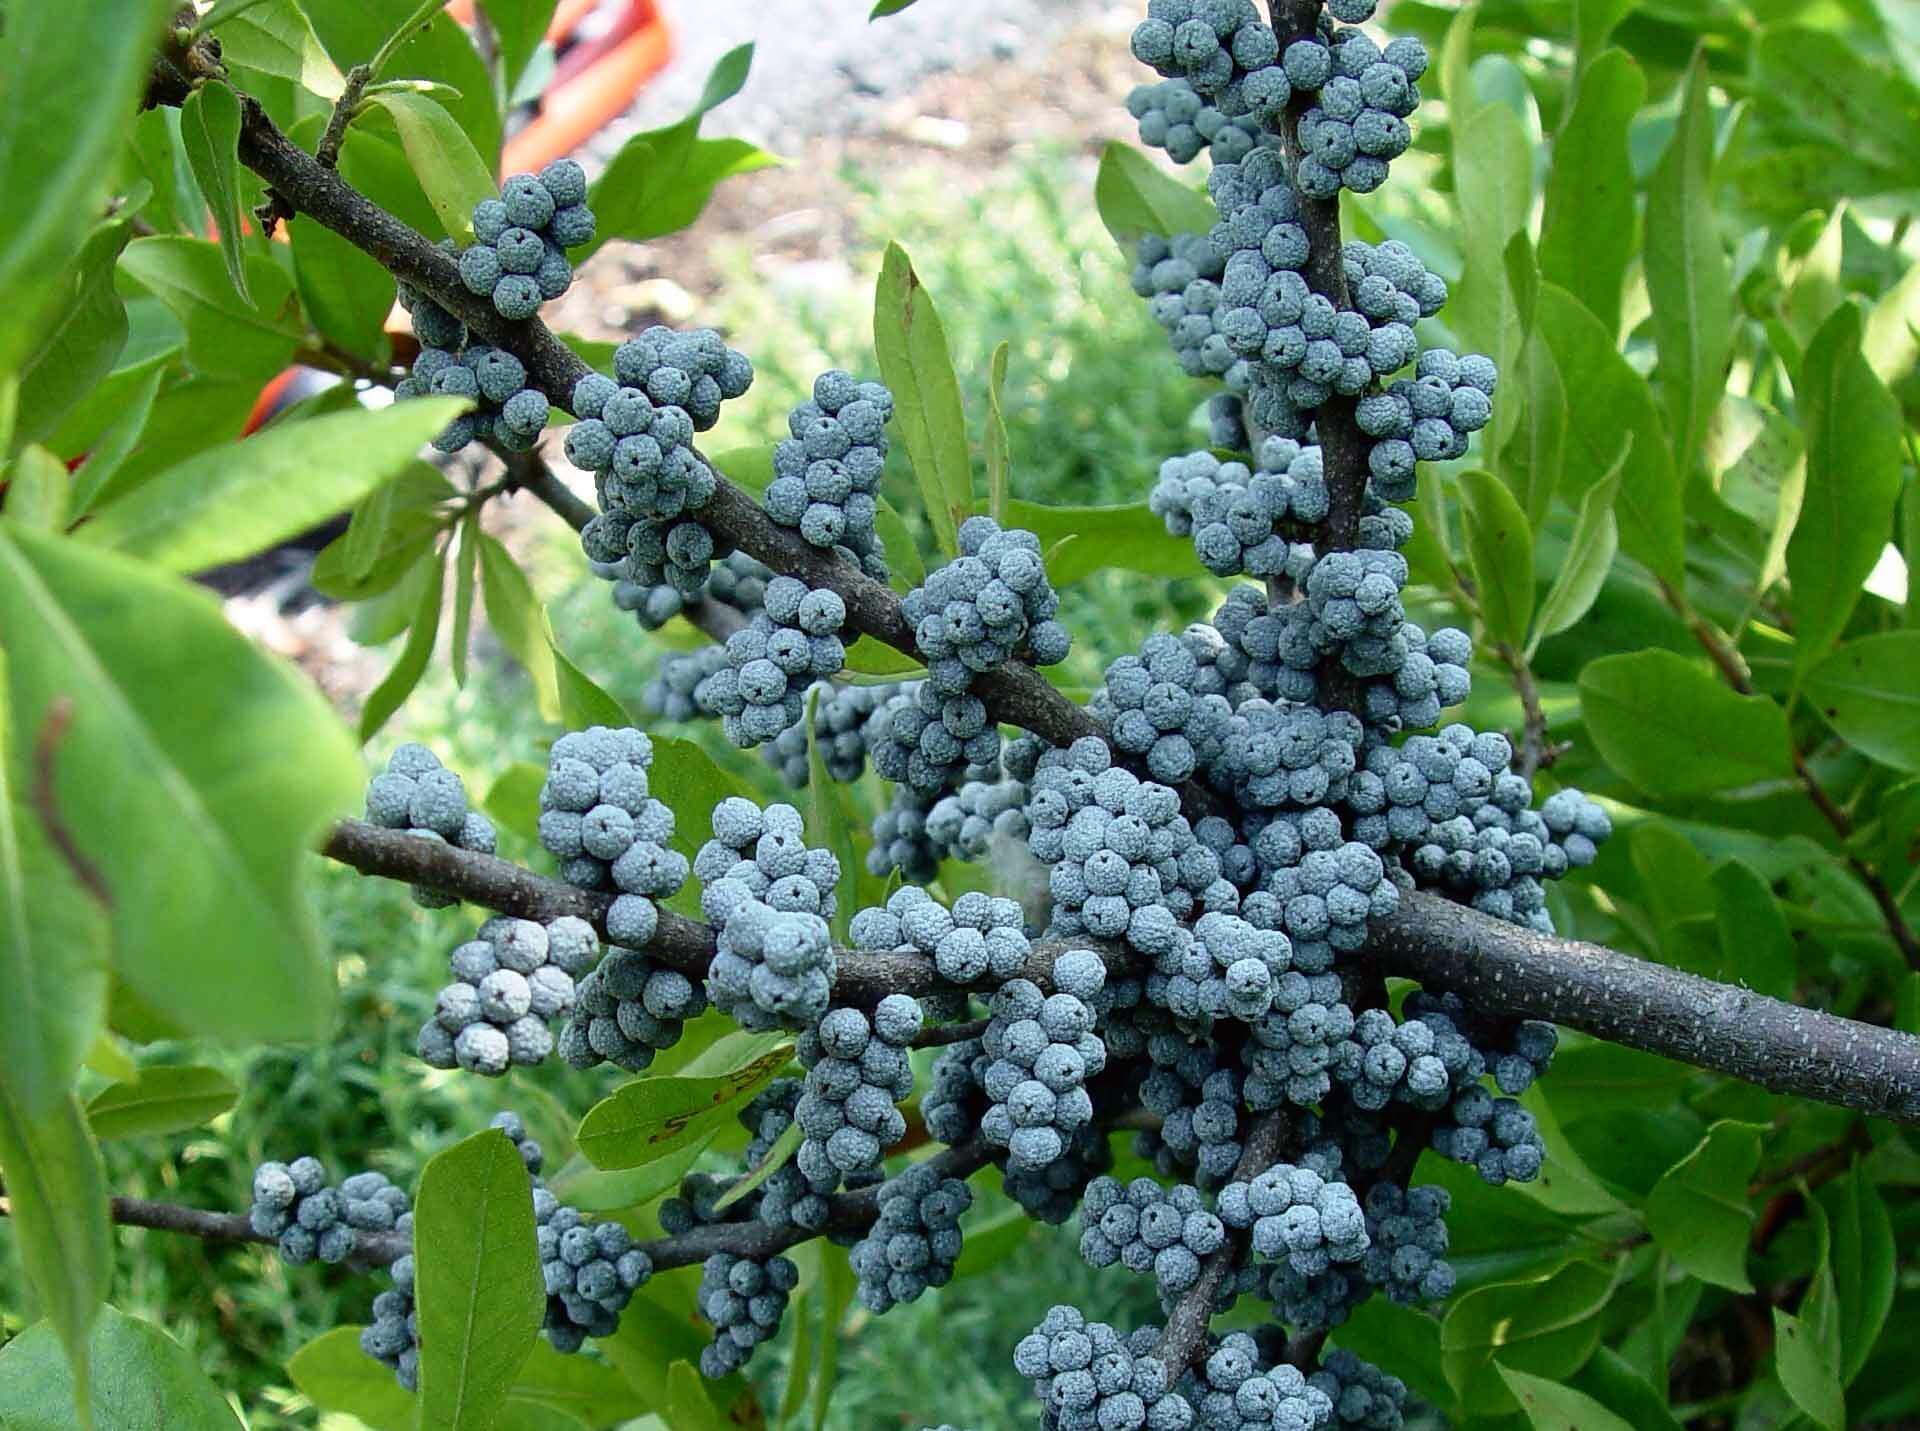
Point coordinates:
[(1807, 1372), (1869, 691), (105, 638), (71, 75), (345, 292), (1136, 197), (335, 1375), (451, 172), (95, 479), (1755, 942), (1853, 428), (514, 614), (226, 336), (915, 364), (53, 945), (423, 632), (235, 500), (582, 701), (1545, 1326), (210, 130), (688, 1402), (1549, 1406), (1129, 537), (1587, 234), (650, 1117), (38, 489), (1667, 725), (1687, 276), (275, 37), (869, 657), (1590, 552), (1500, 542), (1610, 1379), (142, 1380), (999, 463), (477, 1280), (57, 1192), (580, 1184), (1865, 1263), (1614, 400), (168, 1098), (80, 341), (1698, 1212)]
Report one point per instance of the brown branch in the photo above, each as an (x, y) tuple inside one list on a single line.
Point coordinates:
[(46, 802), (532, 475), (1537, 751), (1185, 1335)]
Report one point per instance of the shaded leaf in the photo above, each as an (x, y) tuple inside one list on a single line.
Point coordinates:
[(226, 336), (1807, 1373), (1129, 537), (1755, 943), (164, 1099), (210, 131), (915, 364), (1869, 691), (1500, 542), (1587, 234), (423, 632), (1135, 197), (1549, 1406), (1590, 553), (77, 347), (514, 613), (1546, 1326), (142, 1379), (1698, 1212), (1668, 726)]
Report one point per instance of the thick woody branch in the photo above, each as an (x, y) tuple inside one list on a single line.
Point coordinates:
[(1501, 967)]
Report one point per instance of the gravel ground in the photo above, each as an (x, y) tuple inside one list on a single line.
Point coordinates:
[(821, 67)]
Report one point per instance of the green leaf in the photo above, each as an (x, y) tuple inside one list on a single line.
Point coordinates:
[(1869, 691), (1865, 1262), (660, 181), (58, 1194), (1610, 1379), (226, 337), (519, 28), (1501, 544), (346, 293), (1668, 726), (1853, 428), (1755, 943), (582, 702), (112, 448), (106, 639), (1135, 197), (142, 1379), (37, 489), (166, 1099), (999, 464), (276, 38), (870, 657), (210, 131), (1130, 537), (463, 581), (513, 800), (1807, 1372), (1493, 177), (241, 498), (651, 1117), (1587, 233), (84, 335), (688, 1403), (422, 634), (53, 946), (335, 1375), (451, 172), (579, 1184), (883, 8), (1698, 1211), (477, 1278), (71, 75), (1546, 1326), (911, 346), (1687, 276), (1549, 1406), (1590, 553), (514, 613)]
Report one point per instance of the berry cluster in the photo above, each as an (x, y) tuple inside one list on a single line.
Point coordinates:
[(768, 898), (735, 580), (1425, 418), (598, 817), (417, 794), (1151, 709), (792, 641), (826, 472), (1149, 1228), (1198, 1102), (1297, 1215), (1240, 519), (744, 1298), (915, 1240), (980, 938), (963, 825), (926, 740), (519, 254), (1363, 1396), (309, 1218), (1090, 1378), (1407, 1233), (990, 603), (590, 1272), (392, 1338), (509, 982), (1358, 124), (1233, 1392), (1174, 116), (857, 1070), (627, 1010), (1040, 1051), (840, 717)]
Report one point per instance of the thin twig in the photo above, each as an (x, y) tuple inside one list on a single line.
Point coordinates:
[(327, 154)]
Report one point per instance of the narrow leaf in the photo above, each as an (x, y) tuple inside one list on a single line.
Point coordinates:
[(1807, 1373), (237, 499), (477, 1278), (464, 562), (1853, 428), (451, 172), (999, 462), (1755, 942), (164, 1099), (513, 612), (1590, 553), (911, 345), (1549, 1406), (422, 633), (1136, 197), (210, 130), (1500, 542), (1587, 233)]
